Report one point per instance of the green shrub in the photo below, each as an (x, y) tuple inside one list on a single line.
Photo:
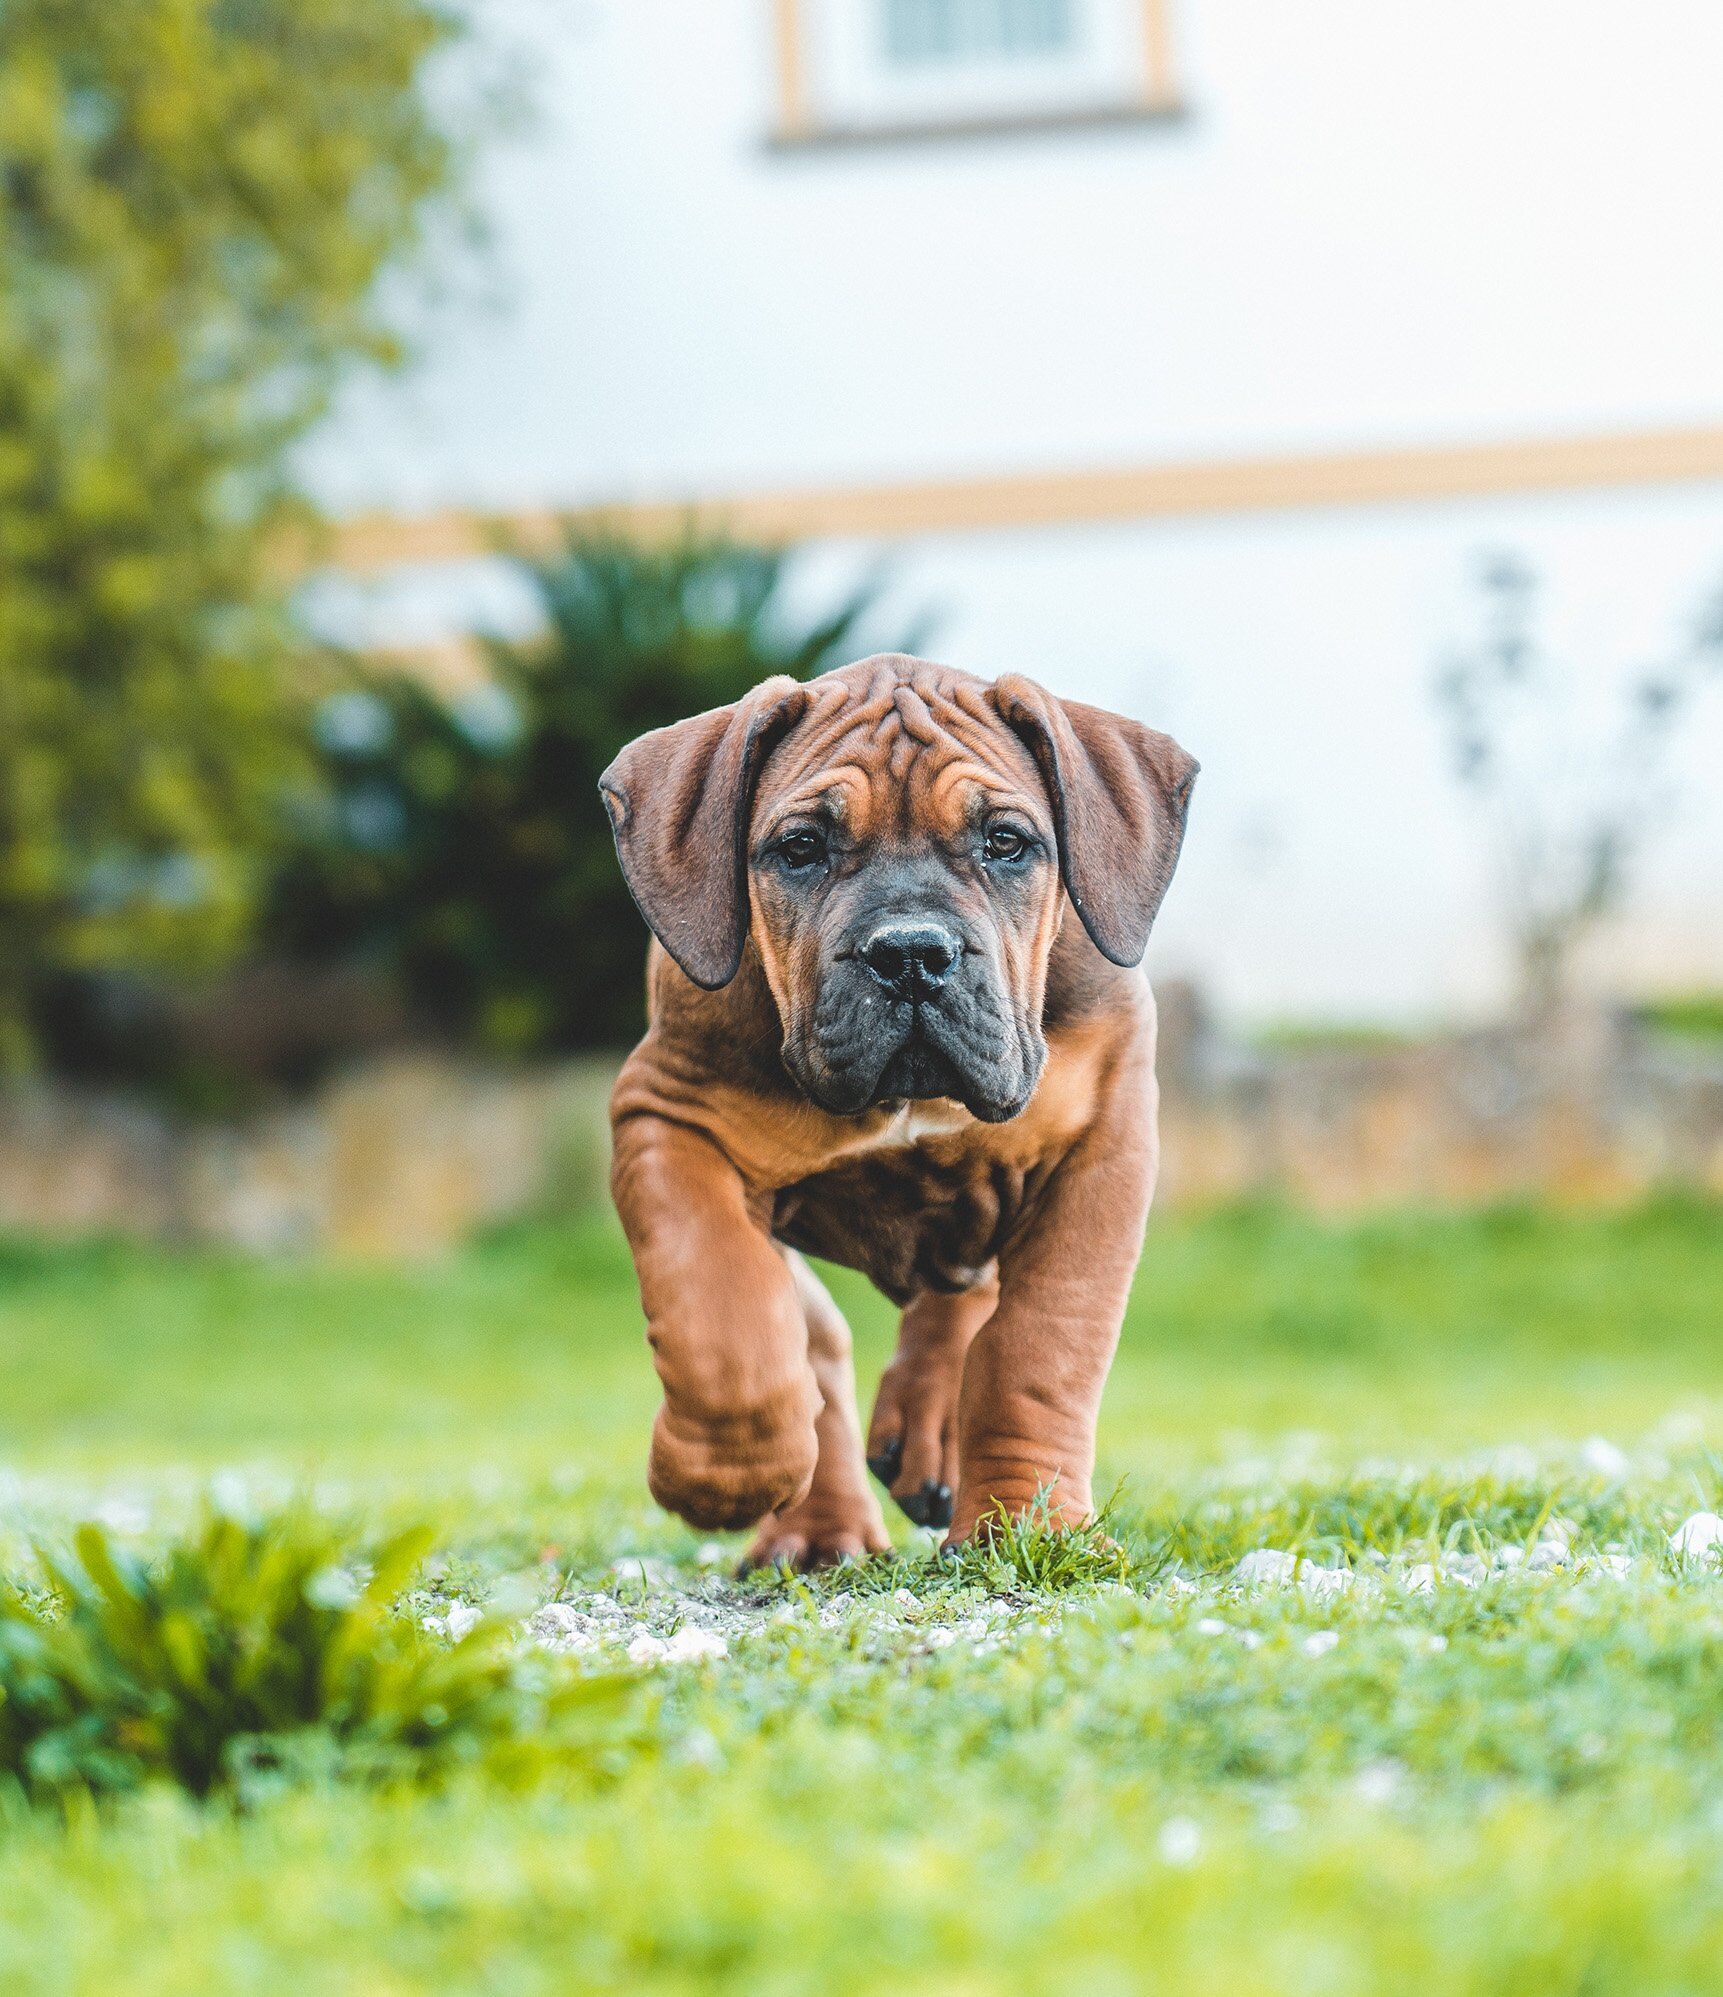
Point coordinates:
[(467, 854), (1690, 1016), (197, 201), (251, 1653)]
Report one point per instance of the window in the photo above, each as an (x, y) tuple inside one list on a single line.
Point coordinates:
[(944, 31), (880, 69)]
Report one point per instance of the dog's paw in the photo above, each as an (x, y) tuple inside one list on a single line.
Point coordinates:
[(818, 1535), (912, 1438), (722, 1478)]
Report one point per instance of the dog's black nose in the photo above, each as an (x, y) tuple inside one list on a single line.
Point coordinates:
[(911, 959)]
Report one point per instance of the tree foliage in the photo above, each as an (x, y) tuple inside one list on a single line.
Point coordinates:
[(197, 200), (467, 854)]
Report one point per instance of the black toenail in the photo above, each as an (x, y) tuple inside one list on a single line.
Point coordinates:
[(931, 1505), (886, 1464)]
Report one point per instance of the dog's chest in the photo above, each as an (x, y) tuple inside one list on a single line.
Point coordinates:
[(912, 1215), (912, 1125)]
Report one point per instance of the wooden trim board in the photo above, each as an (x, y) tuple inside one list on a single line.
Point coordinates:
[(1174, 490)]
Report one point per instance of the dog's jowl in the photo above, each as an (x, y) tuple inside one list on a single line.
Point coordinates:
[(897, 1019)]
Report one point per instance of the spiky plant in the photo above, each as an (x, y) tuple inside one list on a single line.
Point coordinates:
[(253, 1650)]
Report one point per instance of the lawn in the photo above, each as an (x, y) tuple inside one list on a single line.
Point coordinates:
[(1471, 1741)]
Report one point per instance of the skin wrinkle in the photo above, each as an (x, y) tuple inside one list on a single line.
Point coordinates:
[(756, 1119), (825, 1052)]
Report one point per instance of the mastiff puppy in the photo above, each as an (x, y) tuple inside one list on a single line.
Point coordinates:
[(897, 1020)]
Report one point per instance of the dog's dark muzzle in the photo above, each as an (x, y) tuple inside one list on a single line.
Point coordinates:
[(907, 1013)]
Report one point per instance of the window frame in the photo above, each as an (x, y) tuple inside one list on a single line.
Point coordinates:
[(798, 124)]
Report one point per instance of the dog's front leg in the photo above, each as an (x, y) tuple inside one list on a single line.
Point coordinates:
[(912, 1439), (1033, 1377), (735, 1437), (839, 1518)]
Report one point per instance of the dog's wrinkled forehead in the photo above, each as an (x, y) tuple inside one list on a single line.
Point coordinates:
[(893, 747)]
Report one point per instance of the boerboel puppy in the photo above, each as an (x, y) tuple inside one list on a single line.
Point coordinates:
[(896, 1020)]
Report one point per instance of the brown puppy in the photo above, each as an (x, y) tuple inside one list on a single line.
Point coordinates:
[(878, 1033)]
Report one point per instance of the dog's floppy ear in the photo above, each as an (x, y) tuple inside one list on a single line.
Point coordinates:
[(679, 800), (1120, 793)]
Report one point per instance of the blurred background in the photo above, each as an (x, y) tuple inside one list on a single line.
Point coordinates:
[(404, 403), (402, 407)]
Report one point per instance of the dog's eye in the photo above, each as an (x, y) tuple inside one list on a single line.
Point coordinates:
[(1005, 842), (798, 850)]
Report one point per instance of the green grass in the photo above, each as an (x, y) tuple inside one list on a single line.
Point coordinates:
[(1015, 1772), (1333, 1036), (523, 1356), (1691, 1016)]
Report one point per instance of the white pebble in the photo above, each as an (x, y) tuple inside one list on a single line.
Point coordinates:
[(701, 1750), (462, 1617), (1265, 1565), (1697, 1536), (230, 1494), (1379, 1781), (1320, 1642), (1462, 1570), (557, 1626), (1603, 1457), (1180, 1842), (1211, 1626), (691, 1643)]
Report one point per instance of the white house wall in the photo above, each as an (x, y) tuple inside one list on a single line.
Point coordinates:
[(1377, 226)]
